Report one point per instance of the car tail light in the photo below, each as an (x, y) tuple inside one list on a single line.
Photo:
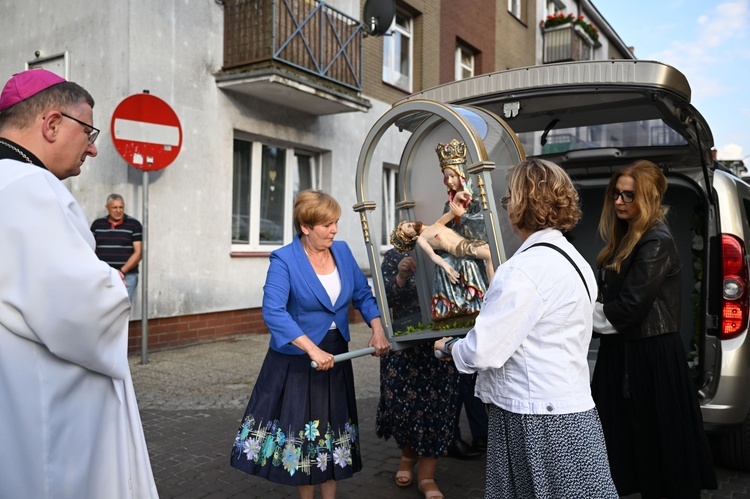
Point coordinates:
[(734, 299)]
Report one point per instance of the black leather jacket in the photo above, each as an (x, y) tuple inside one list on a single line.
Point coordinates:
[(643, 300)]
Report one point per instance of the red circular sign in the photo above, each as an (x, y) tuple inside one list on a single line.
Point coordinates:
[(146, 132)]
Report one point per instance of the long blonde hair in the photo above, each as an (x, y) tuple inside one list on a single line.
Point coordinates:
[(621, 236)]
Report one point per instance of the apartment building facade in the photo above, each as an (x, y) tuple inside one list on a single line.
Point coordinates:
[(273, 97)]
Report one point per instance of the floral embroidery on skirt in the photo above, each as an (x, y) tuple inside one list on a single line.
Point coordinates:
[(264, 443), (300, 426)]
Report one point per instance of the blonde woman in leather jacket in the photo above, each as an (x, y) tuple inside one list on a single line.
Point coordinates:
[(641, 385)]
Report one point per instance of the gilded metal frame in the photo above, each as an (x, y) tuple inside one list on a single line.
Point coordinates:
[(478, 129)]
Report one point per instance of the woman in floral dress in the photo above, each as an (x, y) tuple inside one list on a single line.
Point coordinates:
[(418, 392)]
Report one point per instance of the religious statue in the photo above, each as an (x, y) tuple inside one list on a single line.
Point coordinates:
[(458, 240), (439, 237)]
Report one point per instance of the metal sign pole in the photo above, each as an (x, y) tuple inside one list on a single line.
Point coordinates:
[(144, 274), (147, 133)]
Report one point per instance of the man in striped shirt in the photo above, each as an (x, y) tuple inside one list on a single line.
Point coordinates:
[(118, 241)]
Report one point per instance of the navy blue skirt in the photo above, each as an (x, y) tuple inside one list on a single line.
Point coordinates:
[(300, 426)]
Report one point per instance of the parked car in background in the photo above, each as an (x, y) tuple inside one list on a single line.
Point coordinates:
[(269, 232), (595, 117)]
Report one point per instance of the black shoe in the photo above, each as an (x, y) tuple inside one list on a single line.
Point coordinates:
[(461, 450), (479, 444)]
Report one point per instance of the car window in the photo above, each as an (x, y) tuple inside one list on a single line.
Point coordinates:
[(628, 134)]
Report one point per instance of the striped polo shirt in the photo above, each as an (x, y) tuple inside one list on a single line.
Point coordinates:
[(114, 242)]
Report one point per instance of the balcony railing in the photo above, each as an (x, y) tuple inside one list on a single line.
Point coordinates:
[(566, 43), (304, 34)]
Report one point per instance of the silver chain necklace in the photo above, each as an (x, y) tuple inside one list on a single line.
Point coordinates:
[(17, 150)]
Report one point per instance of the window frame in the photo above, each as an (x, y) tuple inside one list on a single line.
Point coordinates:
[(515, 7), (460, 66), (391, 73), (389, 220), (291, 187)]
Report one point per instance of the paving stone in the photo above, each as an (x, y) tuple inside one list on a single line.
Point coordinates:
[(191, 401)]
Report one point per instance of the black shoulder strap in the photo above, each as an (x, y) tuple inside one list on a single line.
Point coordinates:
[(559, 250)]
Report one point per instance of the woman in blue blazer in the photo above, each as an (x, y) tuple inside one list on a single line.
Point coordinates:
[(300, 427)]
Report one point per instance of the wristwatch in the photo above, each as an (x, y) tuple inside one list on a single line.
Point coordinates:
[(448, 343)]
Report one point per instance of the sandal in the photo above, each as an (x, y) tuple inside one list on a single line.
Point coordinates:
[(404, 477), (434, 493)]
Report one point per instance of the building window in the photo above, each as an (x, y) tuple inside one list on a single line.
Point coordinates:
[(265, 184), (553, 7), (515, 8), (389, 222), (57, 63), (464, 63), (397, 52)]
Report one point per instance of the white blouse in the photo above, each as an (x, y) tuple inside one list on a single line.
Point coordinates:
[(531, 338), (332, 283)]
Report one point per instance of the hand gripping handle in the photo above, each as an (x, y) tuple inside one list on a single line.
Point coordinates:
[(441, 354), (347, 355)]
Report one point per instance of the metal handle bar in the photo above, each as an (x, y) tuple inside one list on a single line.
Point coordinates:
[(347, 355)]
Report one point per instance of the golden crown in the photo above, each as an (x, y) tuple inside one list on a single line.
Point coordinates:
[(452, 153)]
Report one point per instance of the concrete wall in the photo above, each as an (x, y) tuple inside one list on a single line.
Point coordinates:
[(173, 48)]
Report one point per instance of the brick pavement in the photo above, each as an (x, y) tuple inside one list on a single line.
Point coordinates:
[(190, 458), (192, 399)]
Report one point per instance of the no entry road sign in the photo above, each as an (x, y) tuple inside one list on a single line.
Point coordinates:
[(146, 132)]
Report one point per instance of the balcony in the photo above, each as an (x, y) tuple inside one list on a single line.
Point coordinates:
[(301, 54), (567, 43)]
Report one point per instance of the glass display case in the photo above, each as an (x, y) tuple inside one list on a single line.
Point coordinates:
[(479, 147)]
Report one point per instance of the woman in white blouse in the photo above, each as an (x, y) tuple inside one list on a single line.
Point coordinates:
[(529, 347)]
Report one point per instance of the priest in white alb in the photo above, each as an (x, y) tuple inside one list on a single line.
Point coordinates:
[(69, 423)]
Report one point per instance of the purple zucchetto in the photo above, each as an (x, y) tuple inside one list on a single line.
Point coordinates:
[(23, 85)]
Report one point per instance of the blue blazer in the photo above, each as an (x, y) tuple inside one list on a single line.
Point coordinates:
[(296, 303)]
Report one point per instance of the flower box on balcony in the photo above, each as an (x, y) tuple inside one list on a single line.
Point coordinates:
[(567, 42)]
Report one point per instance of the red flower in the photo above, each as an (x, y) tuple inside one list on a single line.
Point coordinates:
[(560, 19)]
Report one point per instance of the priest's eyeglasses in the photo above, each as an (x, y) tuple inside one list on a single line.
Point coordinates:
[(626, 196), (93, 134)]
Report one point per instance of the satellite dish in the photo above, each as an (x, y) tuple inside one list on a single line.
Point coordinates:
[(377, 16)]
